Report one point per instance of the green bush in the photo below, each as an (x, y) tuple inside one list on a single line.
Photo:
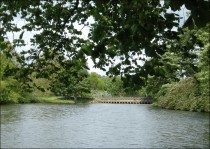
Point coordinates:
[(11, 92), (28, 99), (8, 95), (183, 95)]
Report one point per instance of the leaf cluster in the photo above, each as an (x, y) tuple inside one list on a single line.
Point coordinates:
[(121, 30)]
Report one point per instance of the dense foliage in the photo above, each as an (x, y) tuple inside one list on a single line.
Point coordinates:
[(11, 91), (143, 43), (183, 95), (121, 30), (70, 82), (192, 91)]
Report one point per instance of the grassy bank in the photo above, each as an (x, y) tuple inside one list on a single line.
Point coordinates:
[(62, 100)]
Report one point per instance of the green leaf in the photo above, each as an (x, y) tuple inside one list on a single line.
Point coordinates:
[(21, 35)]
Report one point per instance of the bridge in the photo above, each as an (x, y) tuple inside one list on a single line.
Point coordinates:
[(126, 100)]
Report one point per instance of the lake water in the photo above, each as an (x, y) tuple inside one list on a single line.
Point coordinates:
[(101, 126)]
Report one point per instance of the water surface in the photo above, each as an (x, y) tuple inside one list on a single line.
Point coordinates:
[(101, 126)]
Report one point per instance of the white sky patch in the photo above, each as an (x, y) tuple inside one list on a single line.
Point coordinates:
[(26, 36), (92, 69), (138, 58), (85, 31)]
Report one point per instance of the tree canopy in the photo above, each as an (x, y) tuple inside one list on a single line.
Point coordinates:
[(122, 31)]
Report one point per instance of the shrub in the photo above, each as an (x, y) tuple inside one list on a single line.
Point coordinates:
[(183, 95)]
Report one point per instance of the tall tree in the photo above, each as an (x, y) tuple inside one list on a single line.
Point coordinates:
[(11, 90), (95, 81), (71, 81), (121, 30), (204, 61)]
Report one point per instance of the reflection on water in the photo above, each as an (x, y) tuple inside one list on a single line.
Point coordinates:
[(101, 126), (10, 114)]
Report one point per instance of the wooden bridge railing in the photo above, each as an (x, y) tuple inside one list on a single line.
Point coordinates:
[(126, 98)]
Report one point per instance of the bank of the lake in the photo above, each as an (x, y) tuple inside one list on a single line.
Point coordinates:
[(179, 104), (185, 95), (63, 100)]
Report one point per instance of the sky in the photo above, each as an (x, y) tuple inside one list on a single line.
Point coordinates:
[(85, 31)]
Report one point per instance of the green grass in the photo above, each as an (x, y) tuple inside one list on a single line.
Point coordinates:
[(61, 100)]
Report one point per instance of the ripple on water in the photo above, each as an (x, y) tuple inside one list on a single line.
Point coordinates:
[(101, 126)]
